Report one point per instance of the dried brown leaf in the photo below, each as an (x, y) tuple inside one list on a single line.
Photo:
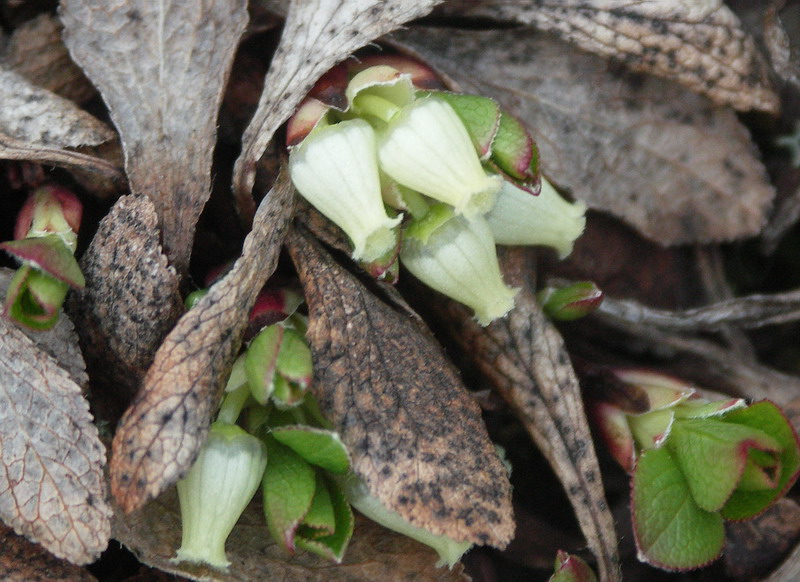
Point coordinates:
[(161, 68), (664, 159), (51, 483), (317, 35), (16, 149), (130, 302), (699, 43), (754, 547), (374, 553), (22, 561), (524, 358), (37, 52), (415, 435), (159, 436)]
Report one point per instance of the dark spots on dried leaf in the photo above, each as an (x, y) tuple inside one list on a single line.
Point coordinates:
[(166, 417)]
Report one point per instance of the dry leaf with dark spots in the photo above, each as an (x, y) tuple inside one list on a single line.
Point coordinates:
[(23, 561), (699, 43), (665, 160), (415, 435), (374, 554), (317, 35), (130, 301), (37, 52), (161, 433), (161, 71), (524, 358), (51, 480)]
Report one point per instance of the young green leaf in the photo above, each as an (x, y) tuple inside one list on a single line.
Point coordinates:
[(331, 546), (317, 446), (480, 115), (288, 488), (712, 456), (570, 568), (261, 361), (672, 531), (768, 418)]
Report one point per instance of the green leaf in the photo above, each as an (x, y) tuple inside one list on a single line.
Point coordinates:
[(767, 417), (514, 151), (288, 488), (34, 298), (333, 546), (570, 568), (320, 519), (480, 115), (713, 454), (318, 446), (261, 361), (50, 255), (671, 531), (699, 408)]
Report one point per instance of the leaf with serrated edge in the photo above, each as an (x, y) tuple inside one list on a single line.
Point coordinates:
[(672, 532), (665, 160), (525, 360), (161, 433), (51, 483), (23, 561), (317, 35), (130, 301), (161, 71), (699, 43), (374, 553), (415, 436)]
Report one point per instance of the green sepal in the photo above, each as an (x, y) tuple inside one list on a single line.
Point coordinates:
[(767, 417), (480, 115), (713, 454), (671, 530), (262, 360), (318, 446), (333, 545), (34, 298), (422, 228), (515, 153), (288, 490)]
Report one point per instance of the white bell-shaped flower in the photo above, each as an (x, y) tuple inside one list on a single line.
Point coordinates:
[(335, 168), (427, 148), (519, 218), (216, 490), (459, 260)]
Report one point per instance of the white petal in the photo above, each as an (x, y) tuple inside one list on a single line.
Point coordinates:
[(335, 168), (518, 218), (459, 260), (427, 148)]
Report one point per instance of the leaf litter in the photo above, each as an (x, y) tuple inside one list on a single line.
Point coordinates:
[(658, 156)]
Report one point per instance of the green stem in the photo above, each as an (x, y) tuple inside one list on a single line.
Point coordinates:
[(232, 405)]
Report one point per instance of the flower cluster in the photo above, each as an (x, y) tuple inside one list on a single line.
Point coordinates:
[(694, 462), (269, 434), (434, 178), (45, 236)]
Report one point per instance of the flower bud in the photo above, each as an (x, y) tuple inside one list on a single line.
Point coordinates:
[(519, 218), (50, 210), (216, 491), (427, 148), (335, 169), (459, 260)]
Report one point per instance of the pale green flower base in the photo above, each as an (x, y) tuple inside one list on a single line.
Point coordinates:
[(519, 218), (449, 550)]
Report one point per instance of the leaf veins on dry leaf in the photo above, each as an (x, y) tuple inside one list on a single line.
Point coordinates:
[(51, 479), (415, 435), (158, 438), (660, 157), (161, 71), (524, 358), (699, 43)]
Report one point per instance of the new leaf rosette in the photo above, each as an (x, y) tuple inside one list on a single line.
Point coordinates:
[(384, 154), (694, 463)]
